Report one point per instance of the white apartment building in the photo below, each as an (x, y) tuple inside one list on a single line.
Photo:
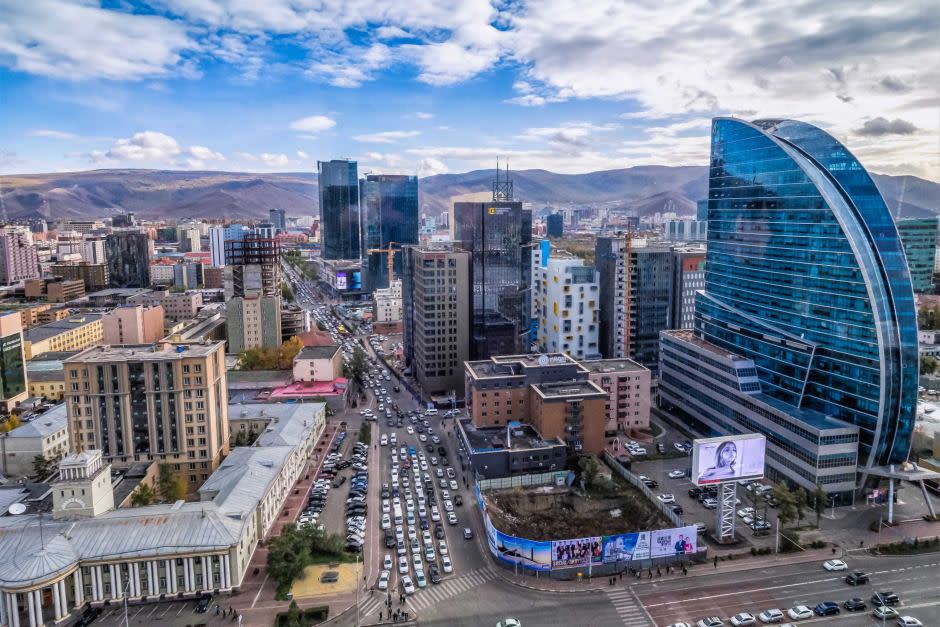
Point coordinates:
[(567, 297), (388, 303)]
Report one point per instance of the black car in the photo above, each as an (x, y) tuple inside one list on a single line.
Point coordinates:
[(442, 451), (661, 448), (389, 540), (353, 547), (856, 579), (424, 523), (885, 598), (855, 605), (430, 448), (385, 492), (88, 616), (696, 492), (203, 605), (343, 464), (458, 500), (439, 531), (826, 608), (396, 388), (339, 482), (677, 508), (434, 574)]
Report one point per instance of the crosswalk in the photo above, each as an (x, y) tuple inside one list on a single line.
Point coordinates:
[(628, 608), (422, 599), (373, 604)]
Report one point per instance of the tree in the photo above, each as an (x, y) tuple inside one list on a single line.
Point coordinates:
[(294, 617), (143, 495), (801, 500), (40, 466), (786, 511), (240, 439), (589, 470), (286, 292), (358, 364), (288, 555), (287, 351), (280, 358), (819, 502), (928, 365), (170, 485), (9, 424)]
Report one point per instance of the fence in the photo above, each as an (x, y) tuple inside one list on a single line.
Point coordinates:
[(633, 480), (522, 481)]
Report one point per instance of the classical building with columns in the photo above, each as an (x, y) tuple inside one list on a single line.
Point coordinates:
[(90, 553)]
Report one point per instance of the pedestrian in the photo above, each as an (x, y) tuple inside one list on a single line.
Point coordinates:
[(685, 571), (621, 575), (716, 561), (651, 573)]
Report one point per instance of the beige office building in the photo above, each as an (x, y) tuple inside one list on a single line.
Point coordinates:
[(165, 402)]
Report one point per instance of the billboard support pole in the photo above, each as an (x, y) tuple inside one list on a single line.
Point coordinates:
[(727, 494)]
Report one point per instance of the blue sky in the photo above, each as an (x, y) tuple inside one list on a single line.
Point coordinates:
[(429, 86)]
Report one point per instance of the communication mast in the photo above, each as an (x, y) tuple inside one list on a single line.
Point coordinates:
[(502, 189)]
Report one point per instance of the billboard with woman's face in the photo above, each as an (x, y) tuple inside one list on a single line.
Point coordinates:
[(728, 458)]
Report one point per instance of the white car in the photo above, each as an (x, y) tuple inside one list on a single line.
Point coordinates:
[(440, 473), (835, 565), (446, 565), (386, 508), (386, 522), (800, 612), (743, 619), (666, 498), (383, 580), (387, 562), (422, 437), (408, 585), (745, 511), (453, 485), (445, 494), (403, 565), (420, 578), (384, 440), (772, 615), (416, 561), (909, 621), (451, 518), (442, 547), (429, 554), (435, 514), (410, 430), (676, 474), (448, 507)]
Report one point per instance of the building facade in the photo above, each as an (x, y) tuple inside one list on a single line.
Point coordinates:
[(176, 305), (833, 339), (637, 286), (133, 324), (919, 239), (627, 385), (690, 278), (387, 304), (686, 230), (166, 402), (128, 255), (68, 334), (566, 294), (45, 435), (13, 377), (498, 236), (436, 327), (278, 217), (390, 216), (253, 322), (340, 220), (555, 225), (318, 363), (95, 276), (18, 258)]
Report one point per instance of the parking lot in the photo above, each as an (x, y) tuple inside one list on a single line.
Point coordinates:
[(167, 613)]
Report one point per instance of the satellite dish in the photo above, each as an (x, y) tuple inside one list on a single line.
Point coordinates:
[(16, 509), (543, 360)]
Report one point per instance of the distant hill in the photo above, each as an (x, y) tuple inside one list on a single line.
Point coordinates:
[(230, 195)]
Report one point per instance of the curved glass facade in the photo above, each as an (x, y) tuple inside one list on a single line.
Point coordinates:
[(806, 275)]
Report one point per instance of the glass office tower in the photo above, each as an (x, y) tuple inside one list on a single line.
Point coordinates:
[(339, 209), (498, 235), (390, 215), (919, 237), (806, 276)]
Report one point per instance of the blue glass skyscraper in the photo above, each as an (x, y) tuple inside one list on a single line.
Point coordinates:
[(339, 209), (806, 278), (390, 215)]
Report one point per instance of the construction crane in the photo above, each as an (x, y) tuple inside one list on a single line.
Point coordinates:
[(391, 258)]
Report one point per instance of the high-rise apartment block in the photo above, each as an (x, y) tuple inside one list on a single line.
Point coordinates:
[(340, 221), (919, 238), (498, 236), (686, 230), (565, 299), (627, 385), (128, 258), (806, 329), (555, 225), (18, 258), (95, 276), (166, 402), (93, 249), (252, 266), (278, 217), (13, 383), (690, 278), (253, 321), (435, 304), (637, 286), (389, 217)]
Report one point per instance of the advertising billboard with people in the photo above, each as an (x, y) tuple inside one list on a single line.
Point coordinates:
[(728, 458), (578, 552)]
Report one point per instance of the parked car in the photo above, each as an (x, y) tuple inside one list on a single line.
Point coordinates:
[(855, 604), (857, 578), (826, 608)]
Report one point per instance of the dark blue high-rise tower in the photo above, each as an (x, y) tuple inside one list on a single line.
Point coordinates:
[(339, 209), (390, 216)]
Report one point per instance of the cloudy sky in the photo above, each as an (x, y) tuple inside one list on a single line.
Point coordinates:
[(433, 86)]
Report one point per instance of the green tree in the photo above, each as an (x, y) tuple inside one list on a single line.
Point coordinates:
[(801, 500), (358, 364), (819, 502), (928, 365), (293, 617), (786, 511), (288, 555), (365, 433), (240, 439), (40, 466), (286, 292), (170, 484), (287, 351), (9, 424), (143, 495), (589, 470)]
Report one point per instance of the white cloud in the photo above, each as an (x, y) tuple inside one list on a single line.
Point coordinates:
[(270, 159), (385, 137), (313, 124), (205, 154), (302, 155), (423, 115), (429, 166), (572, 133), (52, 134), (145, 146), (78, 41)]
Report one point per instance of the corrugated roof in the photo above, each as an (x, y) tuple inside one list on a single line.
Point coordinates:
[(43, 425)]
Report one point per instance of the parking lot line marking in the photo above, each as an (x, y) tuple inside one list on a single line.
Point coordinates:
[(258, 594)]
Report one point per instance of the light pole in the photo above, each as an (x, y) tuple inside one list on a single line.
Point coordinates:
[(357, 590)]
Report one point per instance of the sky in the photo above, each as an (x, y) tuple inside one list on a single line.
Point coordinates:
[(436, 86)]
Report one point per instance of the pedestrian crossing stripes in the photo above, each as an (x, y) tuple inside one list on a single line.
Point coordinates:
[(449, 588), (628, 608), (373, 604)]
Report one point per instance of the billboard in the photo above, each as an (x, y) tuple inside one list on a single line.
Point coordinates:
[(624, 547), (579, 552), (647, 544), (728, 458), (341, 280), (670, 542)]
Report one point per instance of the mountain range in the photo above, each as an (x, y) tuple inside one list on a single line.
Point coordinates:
[(155, 194)]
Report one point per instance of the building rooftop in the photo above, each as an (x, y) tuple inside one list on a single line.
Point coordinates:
[(145, 352), (516, 436), (598, 366), (118, 292), (288, 423), (318, 352), (44, 332), (42, 425), (515, 365), (568, 390), (47, 366), (687, 335)]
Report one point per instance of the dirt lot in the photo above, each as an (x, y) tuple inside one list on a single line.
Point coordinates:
[(550, 513)]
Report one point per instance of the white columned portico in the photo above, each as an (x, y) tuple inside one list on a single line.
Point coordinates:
[(63, 597), (4, 617), (135, 578), (170, 567), (206, 574), (98, 579), (13, 609), (227, 574), (79, 589), (187, 578), (57, 602), (114, 570)]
